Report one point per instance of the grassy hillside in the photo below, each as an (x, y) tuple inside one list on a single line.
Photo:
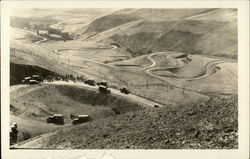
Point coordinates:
[(209, 125), (107, 22), (197, 31), (45, 99), (31, 105), (127, 15), (76, 25)]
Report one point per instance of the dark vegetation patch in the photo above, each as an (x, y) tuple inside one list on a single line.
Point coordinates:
[(205, 125)]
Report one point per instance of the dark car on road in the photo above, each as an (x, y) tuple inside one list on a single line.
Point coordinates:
[(56, 119), (37, 78), (90, 82), (80, 119), (26, 80), (104, 90), (124, 90), (34, 79), (33, 82), (103, 83)]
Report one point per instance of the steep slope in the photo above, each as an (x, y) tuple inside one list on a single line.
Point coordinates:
[(78, 24), (210, 125), (127, 15), (36, 102), (30, 105), (146, 30)]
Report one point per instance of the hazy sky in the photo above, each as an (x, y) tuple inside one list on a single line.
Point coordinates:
[(42, 12)]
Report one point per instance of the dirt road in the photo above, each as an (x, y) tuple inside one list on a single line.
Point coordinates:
[(139, 99), (41, 41), (73, 58), (209, 70), (209, 67)]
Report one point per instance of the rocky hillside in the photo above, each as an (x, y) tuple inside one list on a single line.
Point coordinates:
[(196, 31), (207, 125)]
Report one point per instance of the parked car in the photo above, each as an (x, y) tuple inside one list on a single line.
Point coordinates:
[(37, 78), (124, 90), (156, 106), (56, 119), (104, 90), (90, 82), (80, 119), (33, 82), (103, 83), (26, 80)]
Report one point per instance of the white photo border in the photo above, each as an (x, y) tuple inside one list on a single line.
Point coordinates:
[(243, 81)]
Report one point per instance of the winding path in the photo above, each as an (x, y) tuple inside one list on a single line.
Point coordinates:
[(41, 41), (150, 68), (83, 59), (209, 68), (136, 98)]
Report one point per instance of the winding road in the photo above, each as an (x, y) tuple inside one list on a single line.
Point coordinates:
[(209, 68), (151, 68), (41, 41), (83, 59), (136, 98)]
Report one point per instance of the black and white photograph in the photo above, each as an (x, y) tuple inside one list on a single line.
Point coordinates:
[(123, 78)]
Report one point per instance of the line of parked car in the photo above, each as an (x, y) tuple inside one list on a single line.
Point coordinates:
[(103, 85), (34, 79), (76, 119)]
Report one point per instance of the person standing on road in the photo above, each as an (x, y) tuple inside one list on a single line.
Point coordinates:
[(13, 133)]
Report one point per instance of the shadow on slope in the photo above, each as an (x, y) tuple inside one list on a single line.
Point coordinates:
[(19, 71)]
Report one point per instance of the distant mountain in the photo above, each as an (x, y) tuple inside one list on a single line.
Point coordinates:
[(77, 24), (71, 20), (194, 31)]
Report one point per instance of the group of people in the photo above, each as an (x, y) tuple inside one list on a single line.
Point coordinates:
[(65, 78)]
